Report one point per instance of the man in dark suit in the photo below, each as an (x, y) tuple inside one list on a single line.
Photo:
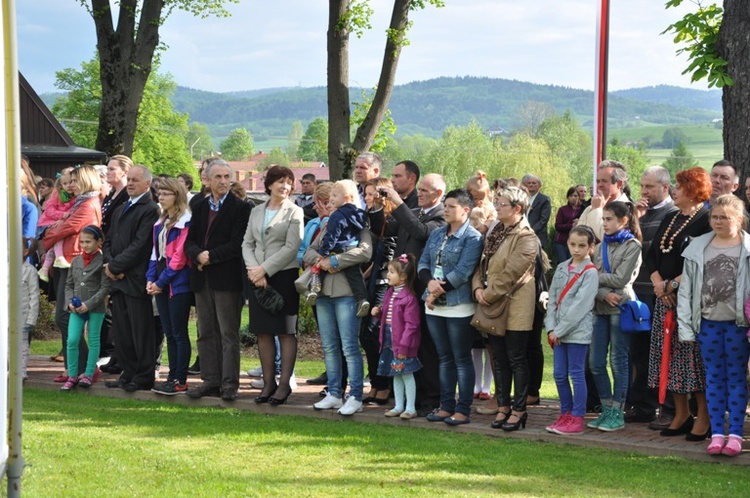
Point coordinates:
[(214, 245), (126, 254), (540, 207), (412, 228)]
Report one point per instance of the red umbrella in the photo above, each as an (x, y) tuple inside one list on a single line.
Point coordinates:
[(666, 353)]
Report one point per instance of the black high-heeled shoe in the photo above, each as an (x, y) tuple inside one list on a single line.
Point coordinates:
[(267, 398), (274, 401), (514, 426), (685, 428), (498, 423)]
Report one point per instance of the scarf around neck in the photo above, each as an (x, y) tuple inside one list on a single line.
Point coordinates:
[(496, 237)]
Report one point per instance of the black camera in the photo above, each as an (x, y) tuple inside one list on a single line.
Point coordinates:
[(383, 192)]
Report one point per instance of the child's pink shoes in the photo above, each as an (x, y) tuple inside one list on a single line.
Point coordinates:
[(716, 445), (733, 446)]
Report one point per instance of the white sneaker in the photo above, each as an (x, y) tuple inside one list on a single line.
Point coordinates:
[(351, 407), (293, 382), (255, 372), (257, 384), (329, 403)]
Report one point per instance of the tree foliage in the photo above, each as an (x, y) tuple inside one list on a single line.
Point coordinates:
[(238, 146), (199, 138), (314, 144), (680, 159), (294, 139), (672, 136), (275, 156), (699, 33), (159, 140)]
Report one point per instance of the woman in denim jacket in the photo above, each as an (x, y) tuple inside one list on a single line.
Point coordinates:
[(446, 266)]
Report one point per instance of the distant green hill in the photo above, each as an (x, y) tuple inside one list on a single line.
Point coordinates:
[(674, 95), (428, 107)]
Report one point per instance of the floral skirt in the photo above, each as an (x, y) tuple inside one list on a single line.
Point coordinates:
[(686, 371)]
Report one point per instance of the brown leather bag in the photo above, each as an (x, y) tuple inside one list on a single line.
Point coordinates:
[(492, 319)]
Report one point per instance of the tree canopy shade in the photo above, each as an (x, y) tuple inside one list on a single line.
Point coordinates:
[(160, 134), (352, 16), (126, 58), (238, 146)]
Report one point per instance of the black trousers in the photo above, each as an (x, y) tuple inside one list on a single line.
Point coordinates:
[(369, 339), (535, 354), (512, 368), (428, 378), (133, 319)]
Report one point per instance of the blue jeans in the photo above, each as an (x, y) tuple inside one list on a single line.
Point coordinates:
[(608, 338), (174, 313), (453, 338), (570, 363), (339, 330)]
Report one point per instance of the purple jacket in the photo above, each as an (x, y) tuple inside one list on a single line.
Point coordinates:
[(405, 326), (564, 222)]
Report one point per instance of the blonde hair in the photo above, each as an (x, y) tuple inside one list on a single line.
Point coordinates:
[(124, 162), (87, 179), (348, 187), (734, 207), (377, 184), (180, 201), (322, 191), (479, 182)]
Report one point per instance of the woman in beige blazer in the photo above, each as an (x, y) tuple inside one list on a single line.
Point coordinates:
[(508, 260), (272, 239)]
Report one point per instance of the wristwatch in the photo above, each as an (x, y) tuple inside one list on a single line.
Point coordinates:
[(674, 284)]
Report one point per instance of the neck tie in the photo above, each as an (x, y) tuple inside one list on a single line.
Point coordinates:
[(127, 206)]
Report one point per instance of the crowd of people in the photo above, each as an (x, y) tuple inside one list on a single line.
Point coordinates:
[(445, 291)]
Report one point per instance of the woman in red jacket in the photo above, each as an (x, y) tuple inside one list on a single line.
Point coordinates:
[(86, 210)]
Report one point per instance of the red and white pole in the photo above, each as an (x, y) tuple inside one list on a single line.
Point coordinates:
[(600, 87)]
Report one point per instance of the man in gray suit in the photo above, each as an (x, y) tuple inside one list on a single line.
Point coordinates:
[(540, 207)]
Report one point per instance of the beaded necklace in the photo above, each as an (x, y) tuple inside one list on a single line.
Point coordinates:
[(668, 249)]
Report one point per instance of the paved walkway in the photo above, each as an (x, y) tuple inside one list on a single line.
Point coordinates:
[(634, 438)]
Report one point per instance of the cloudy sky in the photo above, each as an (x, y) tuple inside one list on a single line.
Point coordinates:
[(282, 43)]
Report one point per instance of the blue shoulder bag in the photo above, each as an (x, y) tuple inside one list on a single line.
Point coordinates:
[(635, 316)]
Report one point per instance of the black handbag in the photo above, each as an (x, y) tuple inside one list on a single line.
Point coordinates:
[(269, 299)]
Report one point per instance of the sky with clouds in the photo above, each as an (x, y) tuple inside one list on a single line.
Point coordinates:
[(267, 44)]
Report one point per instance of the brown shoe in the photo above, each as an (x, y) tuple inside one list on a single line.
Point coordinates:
[(662, 422)]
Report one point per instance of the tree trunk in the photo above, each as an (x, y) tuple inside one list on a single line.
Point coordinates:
[(399, 23), (734, 46), (339, 141), (342, 152), (125, 61)]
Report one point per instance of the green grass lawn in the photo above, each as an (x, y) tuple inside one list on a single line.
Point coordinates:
[(80, 445)]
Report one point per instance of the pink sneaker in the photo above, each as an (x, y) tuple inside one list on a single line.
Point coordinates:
[(562, 419), (69, 384), (573, 426), (716, 445), (733, 446)]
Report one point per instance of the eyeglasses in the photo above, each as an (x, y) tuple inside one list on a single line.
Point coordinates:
[(166, 193)]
